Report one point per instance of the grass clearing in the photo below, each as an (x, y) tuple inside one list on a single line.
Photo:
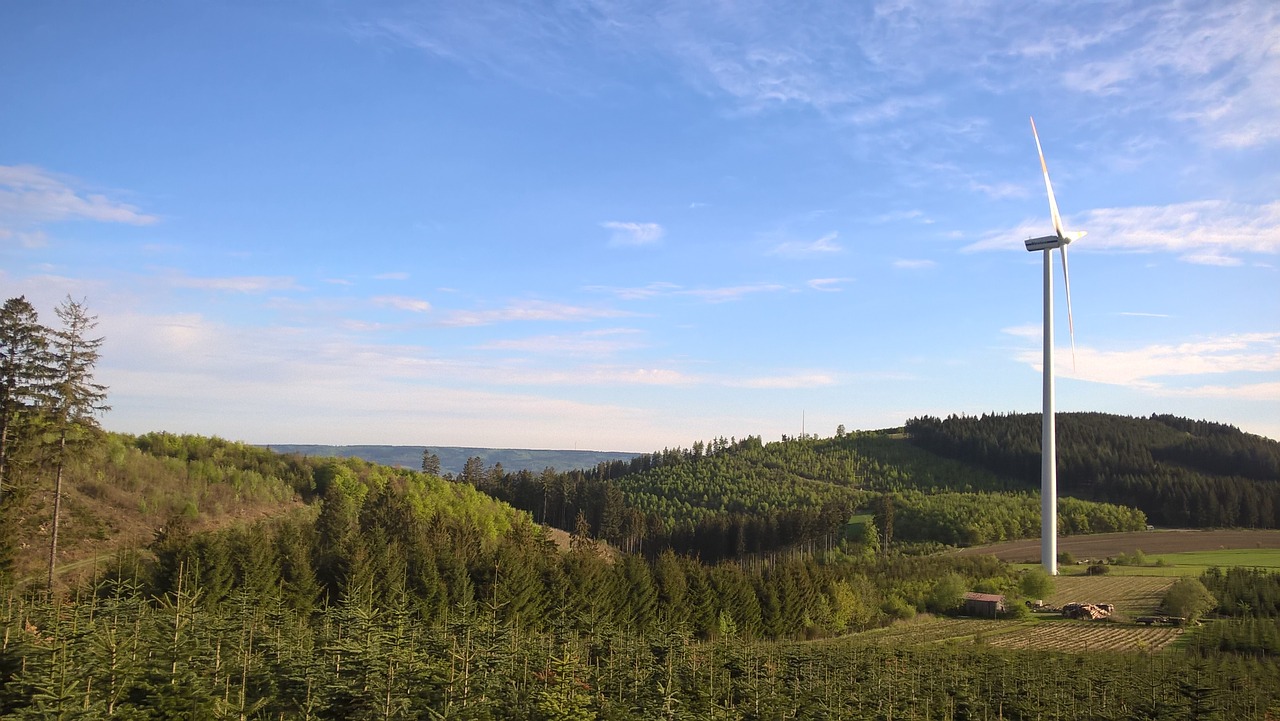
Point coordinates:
[(1223, 558), (1154, 543)]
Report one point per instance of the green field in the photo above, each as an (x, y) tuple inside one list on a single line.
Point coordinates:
[(1189, 563), (1200, 560)]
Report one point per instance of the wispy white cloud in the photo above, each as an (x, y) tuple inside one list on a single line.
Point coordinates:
[(1157, 367), (31, 197), (914, 263), (663, 289), (826, 245), (1211, 258), (1202, 231), (902, 215), (1024, 331), (395, 275), (1247, 392), (400, 302), (785, 382), (721, 295), (827, 285), (530, 310), (235, 284), (644, 292), (1213, 64), (999, 191), (601, 342), (29, 239), (628, 233)]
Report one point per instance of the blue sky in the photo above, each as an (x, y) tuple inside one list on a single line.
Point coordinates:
[(631, 225)]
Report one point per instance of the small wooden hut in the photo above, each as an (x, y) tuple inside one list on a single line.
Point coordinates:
[(986, 605)]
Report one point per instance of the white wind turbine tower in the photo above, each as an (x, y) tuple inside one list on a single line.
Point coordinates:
[(1048, 444)]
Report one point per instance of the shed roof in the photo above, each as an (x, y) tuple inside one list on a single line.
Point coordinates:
[(991, 597)]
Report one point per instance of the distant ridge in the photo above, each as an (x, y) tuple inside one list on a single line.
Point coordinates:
[(452, 458)]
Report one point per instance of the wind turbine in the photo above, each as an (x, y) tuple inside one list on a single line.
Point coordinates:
[(1048, 444)]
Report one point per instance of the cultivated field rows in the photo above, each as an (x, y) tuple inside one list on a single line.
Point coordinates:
[(1133, 596)]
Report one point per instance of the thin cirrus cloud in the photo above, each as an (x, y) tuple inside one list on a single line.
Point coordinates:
[(711, 295), (533, 310), (826, 245), (827, 285), (1153, 367), (1204, 232), (1213, 65), (607, 341), (785, 382), (628, 233), (32, 195), (401, 302), (247, 284), (1208, 64), (914, 264)]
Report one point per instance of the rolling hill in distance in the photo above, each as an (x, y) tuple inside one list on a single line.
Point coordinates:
[(453, 458)]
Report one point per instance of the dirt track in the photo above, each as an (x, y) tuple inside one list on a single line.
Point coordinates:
[(1101, 545)]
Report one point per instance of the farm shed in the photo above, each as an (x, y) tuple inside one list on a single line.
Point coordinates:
[(986, 605)]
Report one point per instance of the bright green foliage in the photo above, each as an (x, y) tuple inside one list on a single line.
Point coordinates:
[(1189, 599), (947, 594), (1035, 583)]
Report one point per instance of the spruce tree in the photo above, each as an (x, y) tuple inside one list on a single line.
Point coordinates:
[(24, 375), (75, 399)]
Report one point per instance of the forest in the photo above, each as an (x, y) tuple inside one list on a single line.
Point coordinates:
[(1179, 472), (731, 497), (163, 576)]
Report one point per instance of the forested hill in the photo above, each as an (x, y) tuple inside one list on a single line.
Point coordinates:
[(1179, 471), (729, 497), (454, 458), (123, 491)]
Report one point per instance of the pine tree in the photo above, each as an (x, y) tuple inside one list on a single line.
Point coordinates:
[(430, 462), (24, 374), (75, 398)]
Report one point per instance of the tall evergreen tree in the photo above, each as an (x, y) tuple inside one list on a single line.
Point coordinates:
[(75, 398), (24, 373), (430, 462)]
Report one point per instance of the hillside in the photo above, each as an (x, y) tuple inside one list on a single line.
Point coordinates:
[(1180, 472), (125, 492), (454, 458), (365, 591), (729, 497)]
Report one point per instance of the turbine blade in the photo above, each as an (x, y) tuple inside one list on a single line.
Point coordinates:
[(1053, 203), (1071, 325)]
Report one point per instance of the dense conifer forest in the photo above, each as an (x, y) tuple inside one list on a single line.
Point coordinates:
[(171, 576), (1181, 473), (732, 497)]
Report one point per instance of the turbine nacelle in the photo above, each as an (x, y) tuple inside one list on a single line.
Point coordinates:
[(1048, 242)]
